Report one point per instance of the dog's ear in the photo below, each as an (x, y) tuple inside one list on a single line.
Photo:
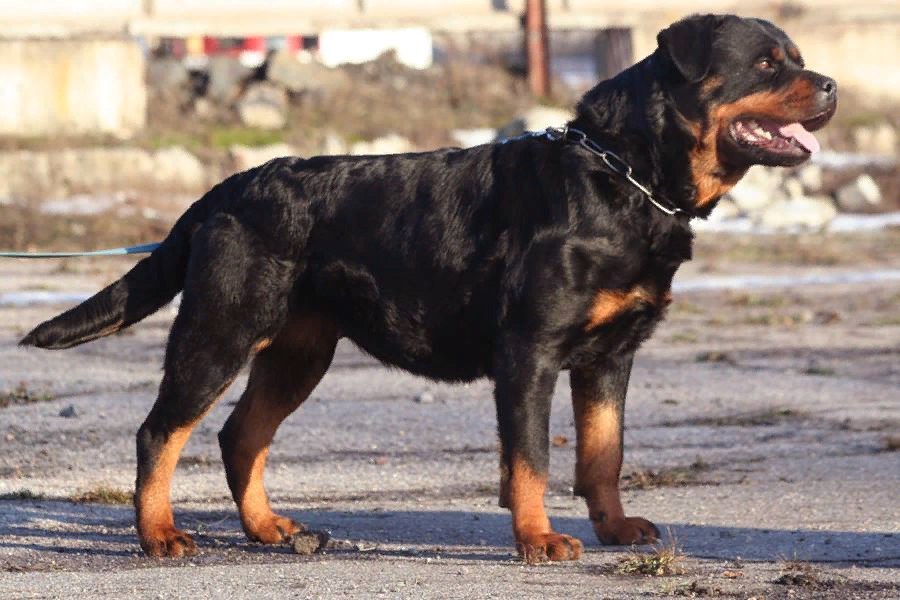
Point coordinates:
[(688, 44)]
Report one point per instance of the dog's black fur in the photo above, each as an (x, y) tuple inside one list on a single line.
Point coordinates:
[(512, 261)]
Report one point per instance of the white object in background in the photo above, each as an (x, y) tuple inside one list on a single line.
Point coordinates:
[(413, 46)]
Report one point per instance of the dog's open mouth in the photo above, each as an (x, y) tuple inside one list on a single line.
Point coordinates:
[(777, 138)]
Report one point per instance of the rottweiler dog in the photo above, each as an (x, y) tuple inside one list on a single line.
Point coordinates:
[(512, 261)]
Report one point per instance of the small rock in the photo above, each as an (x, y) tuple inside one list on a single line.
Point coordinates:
[(425, 398), (811, 179), (876, 139), (468, 138), (333, 145), (861, 195), (69, 412), (289, 71), (725, 210), (179, 169), (389, 144), (794, 188), (759, 188), (226, 74), (813, 212), (247, 157), (310, 542), (167, 73), (536, 118), (263, 105)]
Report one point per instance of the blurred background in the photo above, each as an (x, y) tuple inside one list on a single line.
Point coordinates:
[(114, 114)]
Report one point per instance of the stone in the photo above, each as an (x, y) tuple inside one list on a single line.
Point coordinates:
[(425, 398), (760, 187), (167, 73), (724, 211), (263, 105), (179, 169), (80, 85), (388, 144), (289, 71), (333, 145), (793, 188), (860, 195), (226, 76), (467, 138), (811, 178), (247, 157), (69, 412), (876, 139), (309, 542), (812, 212), (536, 118)]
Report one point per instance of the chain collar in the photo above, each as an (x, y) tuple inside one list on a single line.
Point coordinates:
[(612, 160)]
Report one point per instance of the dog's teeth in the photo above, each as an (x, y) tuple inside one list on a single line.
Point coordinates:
[(766, 135)]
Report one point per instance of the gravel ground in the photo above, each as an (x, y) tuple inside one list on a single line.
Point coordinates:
[(762, 436)]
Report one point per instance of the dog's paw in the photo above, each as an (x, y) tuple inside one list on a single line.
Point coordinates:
[(272, 529), (549, 546), (626, 531), (168, 542)]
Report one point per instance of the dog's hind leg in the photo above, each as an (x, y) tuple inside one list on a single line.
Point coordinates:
[(235, 296), (283, 375)]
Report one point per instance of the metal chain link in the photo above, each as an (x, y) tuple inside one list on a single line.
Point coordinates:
[(612, 160)]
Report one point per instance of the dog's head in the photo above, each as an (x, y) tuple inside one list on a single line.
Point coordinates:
[(745, 94)]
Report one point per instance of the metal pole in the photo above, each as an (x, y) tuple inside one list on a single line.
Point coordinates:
[(536, 43)]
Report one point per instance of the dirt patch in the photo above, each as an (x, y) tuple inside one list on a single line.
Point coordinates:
[(667, 477)]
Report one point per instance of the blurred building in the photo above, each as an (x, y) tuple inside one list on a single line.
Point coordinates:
[(76, 67)]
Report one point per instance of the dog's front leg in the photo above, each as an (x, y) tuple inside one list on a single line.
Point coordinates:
[(598, 399), (524, 387)]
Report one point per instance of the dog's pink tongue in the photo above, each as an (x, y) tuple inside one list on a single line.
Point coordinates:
[(799, 133)]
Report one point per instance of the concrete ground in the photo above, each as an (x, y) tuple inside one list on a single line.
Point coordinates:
[(762, 436)]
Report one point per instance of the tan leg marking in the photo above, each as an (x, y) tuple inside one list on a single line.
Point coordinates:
[(282, 377), (535, 541), (155, 522), (598, 464)]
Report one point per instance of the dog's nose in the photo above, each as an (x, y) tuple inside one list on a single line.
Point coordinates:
[(829, 86)]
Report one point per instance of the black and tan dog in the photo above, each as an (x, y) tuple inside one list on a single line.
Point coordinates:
[(512, 261)]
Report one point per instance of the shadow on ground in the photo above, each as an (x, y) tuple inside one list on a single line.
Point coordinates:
[(60, 527)]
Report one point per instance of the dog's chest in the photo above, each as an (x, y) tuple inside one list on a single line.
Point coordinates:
[(617, 322)]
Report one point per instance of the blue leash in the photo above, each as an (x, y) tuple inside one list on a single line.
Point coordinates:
[(139, 249)]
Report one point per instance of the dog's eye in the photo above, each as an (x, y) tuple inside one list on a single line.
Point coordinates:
[(765, 64)]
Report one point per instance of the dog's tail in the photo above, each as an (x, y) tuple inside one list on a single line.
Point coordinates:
[(147, 287)]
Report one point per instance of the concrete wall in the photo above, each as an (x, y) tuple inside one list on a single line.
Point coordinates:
[(53, 87)]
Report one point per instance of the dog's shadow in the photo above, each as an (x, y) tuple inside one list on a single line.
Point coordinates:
[(59, 526)]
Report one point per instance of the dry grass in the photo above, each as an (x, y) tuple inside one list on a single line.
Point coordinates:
[(766, 417), (23, 494), (104, 495), (662, 560), (715, 356), (22, 394)]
